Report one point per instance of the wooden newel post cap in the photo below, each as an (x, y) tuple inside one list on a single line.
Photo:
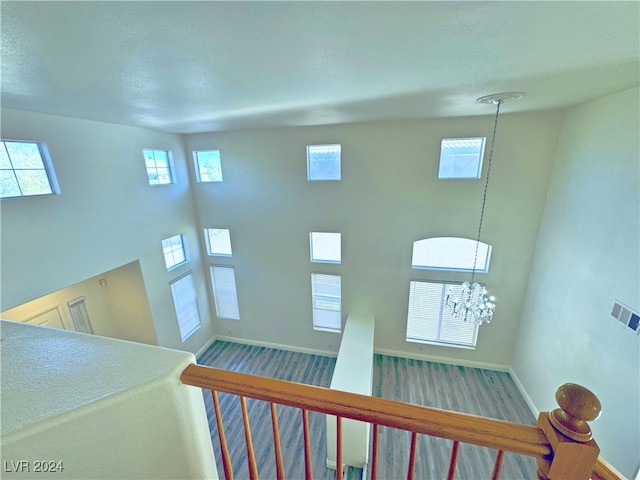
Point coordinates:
[(578, 405)]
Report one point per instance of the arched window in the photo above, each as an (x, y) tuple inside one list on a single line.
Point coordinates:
[(450, 253)]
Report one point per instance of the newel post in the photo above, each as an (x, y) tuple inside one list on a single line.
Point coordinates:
[(574, 451)]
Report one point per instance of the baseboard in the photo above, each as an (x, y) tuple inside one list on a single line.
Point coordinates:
[(524, 393), (447, 360), (278, 346), (205, 346)]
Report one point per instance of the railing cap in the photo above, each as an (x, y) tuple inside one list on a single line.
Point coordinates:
[(578, 405)]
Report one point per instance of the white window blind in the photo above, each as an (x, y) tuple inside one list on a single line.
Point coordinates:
[(429, 321), (79, 315), (185, 302), (326, 302), (223, 280)]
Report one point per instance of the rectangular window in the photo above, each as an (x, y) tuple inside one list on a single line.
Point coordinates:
[(159, 168), (323, 162), (208, 166), (183, 290), (175, 251), (223, 281), (25, 170), (430, 322), (326, 298), (79, 315), (218, 241), (325, 247), (461, 157)]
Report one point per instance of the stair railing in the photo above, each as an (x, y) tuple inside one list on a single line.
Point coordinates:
[(560, 442)]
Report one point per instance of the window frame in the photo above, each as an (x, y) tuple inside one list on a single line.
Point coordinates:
[(470, 344), (480, 159), (207, 239), (182, 321), (309, 162), (462, 244), (184, 248), (198, 172), (47, 167), (314, 259), (220, 299), (170, 167), (317, 312)]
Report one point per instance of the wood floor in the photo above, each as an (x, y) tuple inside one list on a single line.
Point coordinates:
[(463, 389)]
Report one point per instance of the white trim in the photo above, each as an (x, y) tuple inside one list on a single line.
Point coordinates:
[(207, 344), (524, 393), (450, 361), (279, 346)]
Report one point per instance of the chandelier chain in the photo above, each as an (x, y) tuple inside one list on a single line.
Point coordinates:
[(486, 186)]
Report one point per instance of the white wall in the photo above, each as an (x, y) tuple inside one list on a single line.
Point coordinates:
[(117, 309), (96, 421), (389, 197), (587, 256), (107, 216)]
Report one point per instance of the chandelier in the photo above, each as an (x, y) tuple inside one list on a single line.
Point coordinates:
[(469, 301)]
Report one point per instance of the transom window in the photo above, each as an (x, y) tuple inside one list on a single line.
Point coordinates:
[(218, 241), (451, 253), (323, 162), (461, 157), (185, 302), (429, 321), (325, 247), (175, 251), (208, 166), (159, 168), (326, 297), (225, 294), (25, 170)]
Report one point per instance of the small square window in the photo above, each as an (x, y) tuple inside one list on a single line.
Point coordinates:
[(159, 168), (185, 302), (461, 157), (175, 251), (208, 166), (25, 170), (323, 162), (218, 241), (325, 247)]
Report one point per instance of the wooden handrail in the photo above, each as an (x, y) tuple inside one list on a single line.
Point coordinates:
[(466, 428), (605, 471)]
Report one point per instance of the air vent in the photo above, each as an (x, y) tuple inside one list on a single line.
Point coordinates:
[(626, 316)]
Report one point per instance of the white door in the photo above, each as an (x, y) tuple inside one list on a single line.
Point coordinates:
[(50, 318)]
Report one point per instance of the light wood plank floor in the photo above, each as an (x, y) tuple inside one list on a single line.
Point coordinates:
[(463, 389)]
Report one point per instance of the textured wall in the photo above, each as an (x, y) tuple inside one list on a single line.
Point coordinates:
[(587, 256), (85, 400)]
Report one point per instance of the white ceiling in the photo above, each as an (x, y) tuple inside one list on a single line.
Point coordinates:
[(204, 66)]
